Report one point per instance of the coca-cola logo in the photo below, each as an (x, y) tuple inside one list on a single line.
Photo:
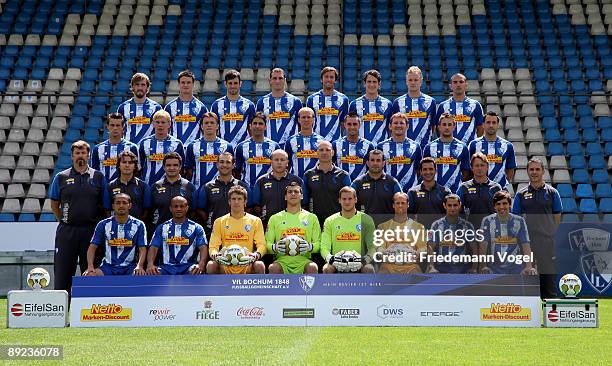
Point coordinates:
[(255, 312)]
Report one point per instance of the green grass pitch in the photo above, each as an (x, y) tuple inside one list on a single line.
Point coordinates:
[(318, 346)]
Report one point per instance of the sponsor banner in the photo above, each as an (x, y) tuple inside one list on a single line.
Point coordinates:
[(586, 250), (317, 284), (37, 309), (571, 313)]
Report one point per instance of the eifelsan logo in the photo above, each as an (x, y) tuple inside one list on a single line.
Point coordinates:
[(572, 316), (256, 312), (208, 313), (346, 313), (441, 314), (307, 283), (161, 314), (553, 316), (37, 310), (299, 313), (505, 312), (110, 312), (384, 312)]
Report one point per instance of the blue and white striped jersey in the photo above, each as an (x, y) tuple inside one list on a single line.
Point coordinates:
[(302, 151), (151, 153), (451, 158), (179, 243), (186, 117), (468, 115), (104, 157), (351, 157), (329, 113), (374, 116), (139, 118), (234, 118), (500, 154), (121, 241), (504, 237), (254, 159), (281, 114), (420, 113), (402, 160), (202, 157), (439, 236)]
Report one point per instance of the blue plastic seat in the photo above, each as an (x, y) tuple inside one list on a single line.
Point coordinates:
[(597, 162), (590, 218), (593, 148), (577, 162), (565, 190), (574, 148), (588, 205), (7, 217), (569, 205), (605, 205), (600, 176), (603, 190), (580, 176), (584, 191), (26, 217)]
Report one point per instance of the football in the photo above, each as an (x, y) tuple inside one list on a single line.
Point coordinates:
[(38, 278), (292, 244), (233, 253), (570, 285)]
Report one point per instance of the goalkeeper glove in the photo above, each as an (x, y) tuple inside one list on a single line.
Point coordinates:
[(304, 247), (222, 260), (280, 246)]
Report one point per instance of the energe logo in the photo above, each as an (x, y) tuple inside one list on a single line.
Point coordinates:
[(505, 312), (110, 312)]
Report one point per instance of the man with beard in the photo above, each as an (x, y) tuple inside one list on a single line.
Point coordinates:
[(139, 110)]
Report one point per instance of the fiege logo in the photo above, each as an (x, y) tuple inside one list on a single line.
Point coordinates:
[(256, 312)]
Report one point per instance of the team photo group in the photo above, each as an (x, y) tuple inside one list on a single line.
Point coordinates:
[(282, 186)]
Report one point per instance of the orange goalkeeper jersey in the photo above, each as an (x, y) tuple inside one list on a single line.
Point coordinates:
[(247, 232)]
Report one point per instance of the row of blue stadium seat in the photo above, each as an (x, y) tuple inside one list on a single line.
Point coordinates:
[(602, 190), (587, 205), (576, 148)]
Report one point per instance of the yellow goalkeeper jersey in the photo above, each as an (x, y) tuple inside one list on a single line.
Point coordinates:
[(416, 234), (247, 232)]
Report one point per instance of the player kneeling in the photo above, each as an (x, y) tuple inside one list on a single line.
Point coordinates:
[(505, 237), (293, 234), (121, 234), (180, 240), (346, 242), (237, 242)]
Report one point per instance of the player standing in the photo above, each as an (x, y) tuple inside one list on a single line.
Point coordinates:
[(419, 108), (403, 155), (253, 156), (234, 111), (330, 105), (125, 240), (104, 155), (201, 155), (467, 112), (373, 110), (139, 110), (186, 110), (351, 150), (302, 147), (451, 155), (293, 221), (499, 151), (280, 108)]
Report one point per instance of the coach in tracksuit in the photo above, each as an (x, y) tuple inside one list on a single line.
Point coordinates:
[(78, 196)]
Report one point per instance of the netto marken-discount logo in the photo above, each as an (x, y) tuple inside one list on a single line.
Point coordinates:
[(505, 312), (110, 312)]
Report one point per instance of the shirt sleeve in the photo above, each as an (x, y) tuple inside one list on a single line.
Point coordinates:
[(315, 233), (141, 235), (465, 159), (396, 187), (305, 191), (271, 234), (180, 149), (142, 158), (478, 115), (523, 234), (98, 236), (54, 191), (352, 107), (259, 237), (146, 201), (411, 200), (134, 149), (557, 206), (256, 195), (344, 109), (439, 110), (106, 200), (367, 239), (394, 107), (215, 237), (250, 113), (94, 161), (516, 205), (511, 159), (472, 148), (486, 233), (189, 157), (259, 106), (200, 238), (202, 198), (326, 239), (157, 240)]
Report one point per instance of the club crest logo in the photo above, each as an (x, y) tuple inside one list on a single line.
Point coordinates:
[(597, 270), (307, 283), (589, 239)]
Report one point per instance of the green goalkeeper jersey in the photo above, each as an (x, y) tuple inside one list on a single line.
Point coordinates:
[(303, 224), (340, 234)]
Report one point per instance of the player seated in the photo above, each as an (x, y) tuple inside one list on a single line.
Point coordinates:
[(237, 228), (120, 234), (180, 240), (346, 241), (505, 234), (448, 236), (405, 251), (293, 234)]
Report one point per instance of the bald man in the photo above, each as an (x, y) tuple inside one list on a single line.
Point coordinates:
[(269, 190)]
